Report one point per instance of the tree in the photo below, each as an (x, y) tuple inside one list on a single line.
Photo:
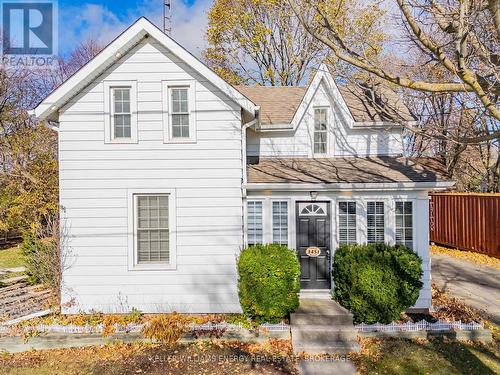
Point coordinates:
[(28, 149), (263, 42), (259, 42), (461, 37)]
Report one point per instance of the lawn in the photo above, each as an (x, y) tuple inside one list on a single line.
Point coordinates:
[(10, 258), (197, 358), (436, 357)]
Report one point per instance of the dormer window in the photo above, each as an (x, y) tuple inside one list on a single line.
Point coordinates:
[(320, 131)]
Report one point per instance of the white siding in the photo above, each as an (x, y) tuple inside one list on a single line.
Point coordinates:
[(343, 140), (420, 221), (96, 179)]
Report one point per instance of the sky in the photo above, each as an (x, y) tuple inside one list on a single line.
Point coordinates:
[(104, 20)]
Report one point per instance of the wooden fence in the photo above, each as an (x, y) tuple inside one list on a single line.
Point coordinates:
[(466, 221)]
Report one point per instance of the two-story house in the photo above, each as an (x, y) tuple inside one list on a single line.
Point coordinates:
[(167, 172)]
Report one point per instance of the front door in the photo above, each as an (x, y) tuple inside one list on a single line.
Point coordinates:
[(313, 244)]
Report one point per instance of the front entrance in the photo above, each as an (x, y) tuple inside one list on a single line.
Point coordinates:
[(313, 244)]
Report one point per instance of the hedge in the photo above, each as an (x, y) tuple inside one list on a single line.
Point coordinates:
[(376, 282), (269, 282)]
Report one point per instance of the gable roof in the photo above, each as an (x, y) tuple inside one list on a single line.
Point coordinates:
[(382, 169), (281, 105), (139, 30), (277, 104), (374, 103)]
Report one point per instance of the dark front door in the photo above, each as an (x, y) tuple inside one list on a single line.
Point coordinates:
[(313, 244)]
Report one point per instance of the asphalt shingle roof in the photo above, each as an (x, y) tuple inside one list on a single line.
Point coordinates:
[(346, 170)]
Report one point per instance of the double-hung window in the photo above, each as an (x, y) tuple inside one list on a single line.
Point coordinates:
[(347, 223), (375, 222), (121, 113), (254, 222), (180, 112), (152, 229), (120, 108), (404, 223), (179, 123), (280, 222), (320, 131)]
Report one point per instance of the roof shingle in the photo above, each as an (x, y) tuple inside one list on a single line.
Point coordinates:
[(366, 103), (346, 170)]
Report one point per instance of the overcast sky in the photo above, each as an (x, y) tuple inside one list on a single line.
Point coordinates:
[(104, 20)]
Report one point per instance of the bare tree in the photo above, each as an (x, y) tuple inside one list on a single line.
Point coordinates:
[(461, 37)]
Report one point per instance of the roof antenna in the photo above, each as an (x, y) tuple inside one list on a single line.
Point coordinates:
[(167, 16)]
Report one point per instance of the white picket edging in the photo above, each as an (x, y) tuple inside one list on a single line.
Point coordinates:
[(422, 325)]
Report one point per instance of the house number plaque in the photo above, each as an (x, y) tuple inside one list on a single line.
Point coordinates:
[(313, 251)]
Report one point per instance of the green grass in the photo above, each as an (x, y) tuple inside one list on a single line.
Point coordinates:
[(436, 357), (10, 258)]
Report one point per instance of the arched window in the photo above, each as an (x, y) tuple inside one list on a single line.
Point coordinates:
[(313, 209)]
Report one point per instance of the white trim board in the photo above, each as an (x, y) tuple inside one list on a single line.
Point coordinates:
[(142, 28), (350, 186)]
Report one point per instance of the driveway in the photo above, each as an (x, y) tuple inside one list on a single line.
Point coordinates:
[(477, 285)]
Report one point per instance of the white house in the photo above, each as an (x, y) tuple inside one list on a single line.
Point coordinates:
[(167, 172)]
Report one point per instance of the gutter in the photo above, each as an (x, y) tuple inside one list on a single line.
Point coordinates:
[(255, 121), (439, 185)]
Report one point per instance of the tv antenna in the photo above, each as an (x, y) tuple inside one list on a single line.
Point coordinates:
[(167, 16)]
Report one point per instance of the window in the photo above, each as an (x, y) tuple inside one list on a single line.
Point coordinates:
[(120, 108), (404, 224), (375, 222), (152, 234), (312, 209), (121, 114), (179, 123), (180, 112), (254, 222), (347, 222), (280, 222), (320, 130)]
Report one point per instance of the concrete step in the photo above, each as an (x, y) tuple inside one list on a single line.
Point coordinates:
[(340, 367), (315, 294), (321, 335), (321, 319), (331, 348)]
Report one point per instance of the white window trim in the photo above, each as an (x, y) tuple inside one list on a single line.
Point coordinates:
[(108, 123), (132, 231), (271, 221), (267, 218), (327, 143), (413, 219), (337, 216), (166, 100), (264, 210), (388, 226)]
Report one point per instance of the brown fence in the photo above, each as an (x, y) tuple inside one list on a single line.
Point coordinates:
[(466, 221)]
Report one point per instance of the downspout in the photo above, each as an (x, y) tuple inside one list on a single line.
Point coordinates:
[(244, 167)]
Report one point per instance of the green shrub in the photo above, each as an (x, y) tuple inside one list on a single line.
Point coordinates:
[(42, 260), (269, 282), (376, 282)]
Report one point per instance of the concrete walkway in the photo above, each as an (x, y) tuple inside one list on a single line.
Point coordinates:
[(320, 327), (477, 285)]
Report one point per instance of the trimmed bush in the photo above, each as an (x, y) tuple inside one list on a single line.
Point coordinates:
[(376, 282), (269, 282)]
